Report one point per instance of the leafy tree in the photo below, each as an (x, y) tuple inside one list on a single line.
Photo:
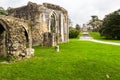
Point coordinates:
[(2, 11), (77, 27), (111, 26), (95, 22)]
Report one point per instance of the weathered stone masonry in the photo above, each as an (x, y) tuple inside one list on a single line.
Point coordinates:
[(50, 22), (15, 38), (31, 25)]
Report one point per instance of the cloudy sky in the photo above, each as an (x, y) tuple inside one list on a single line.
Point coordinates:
[(80, 11)]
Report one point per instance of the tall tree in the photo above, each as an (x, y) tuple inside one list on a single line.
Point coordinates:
[(77, 27), (111, 25), (95, 23)]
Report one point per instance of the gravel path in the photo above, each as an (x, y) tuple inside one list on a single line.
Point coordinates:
[(104, 42), (86, 36)]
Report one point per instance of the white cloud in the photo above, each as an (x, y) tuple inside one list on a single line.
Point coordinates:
[(80, 11)]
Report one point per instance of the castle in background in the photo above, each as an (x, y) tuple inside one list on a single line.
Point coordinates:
[(32, 25)]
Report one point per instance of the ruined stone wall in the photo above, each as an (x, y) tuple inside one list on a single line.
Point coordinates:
[(17, 38), (31, 12), (62, 30), (39, 15)]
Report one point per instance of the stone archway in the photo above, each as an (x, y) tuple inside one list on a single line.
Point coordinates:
[(15, 38), (51, 38), (3, 49), (26, 38)]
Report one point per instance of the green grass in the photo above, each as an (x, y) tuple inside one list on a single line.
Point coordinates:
[(77, 60), (97, 36), (80, 34)]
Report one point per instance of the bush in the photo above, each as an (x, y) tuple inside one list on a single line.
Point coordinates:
[(73, 33)]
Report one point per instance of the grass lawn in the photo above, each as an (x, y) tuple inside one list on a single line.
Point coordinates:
[(80, 34), (97, 36), (77, 60)]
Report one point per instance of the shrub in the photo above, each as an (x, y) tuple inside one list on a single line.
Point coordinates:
[(73, 33)]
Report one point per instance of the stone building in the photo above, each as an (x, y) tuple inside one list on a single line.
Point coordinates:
[(50, 22), (31, 25)]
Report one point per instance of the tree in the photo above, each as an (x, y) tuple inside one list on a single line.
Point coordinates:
[(111, 26), (95, 23), (2, 11), (77, 27)]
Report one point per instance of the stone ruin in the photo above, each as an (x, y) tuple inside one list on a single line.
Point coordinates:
[(32, 25), (15, 38)]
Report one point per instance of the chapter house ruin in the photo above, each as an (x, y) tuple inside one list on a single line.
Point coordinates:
[(32, 25)]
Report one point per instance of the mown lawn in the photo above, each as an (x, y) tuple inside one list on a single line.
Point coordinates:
[(97, 36), (77, 60)]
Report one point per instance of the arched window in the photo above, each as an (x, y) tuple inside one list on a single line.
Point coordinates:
[(52, 23)]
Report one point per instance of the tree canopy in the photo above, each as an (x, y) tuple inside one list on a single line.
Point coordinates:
[(111, 26), (77, 27), (95, 23)]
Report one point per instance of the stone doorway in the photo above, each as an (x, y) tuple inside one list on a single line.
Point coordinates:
[(2, 41), (26, 39)]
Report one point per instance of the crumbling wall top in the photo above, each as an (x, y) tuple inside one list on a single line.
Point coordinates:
[(9, 20), (55, 7)]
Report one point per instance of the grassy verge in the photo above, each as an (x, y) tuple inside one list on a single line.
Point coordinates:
[(97, 36), (77, 60), (80, 34)]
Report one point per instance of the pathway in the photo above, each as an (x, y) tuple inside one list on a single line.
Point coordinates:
[(87, 37)]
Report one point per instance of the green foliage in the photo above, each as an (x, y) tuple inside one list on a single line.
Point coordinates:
[(2, 11), (80, 34), (73, 33), (96, 35), (111, 26), (77, 60), (95, 23)]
